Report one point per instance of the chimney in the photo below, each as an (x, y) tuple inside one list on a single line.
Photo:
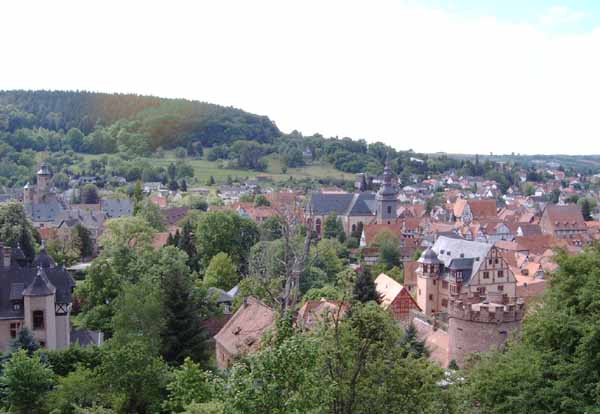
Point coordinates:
[(6, 253)]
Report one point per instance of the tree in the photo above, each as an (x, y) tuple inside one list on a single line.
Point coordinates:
[(280, 379), (333, 228), (24, 341), (183, 308), (364, 287), (133, 376), (586, 209), (183, 186), (221, 272), (152, 214), (89, 194), (75, 391), (83, 239), (271, 228), (191, 385), (26, 382), (226, 232), (15, 228), (359, 354), (261, 201), (411, 344), (187, 243), (389, 248), (139, 314)]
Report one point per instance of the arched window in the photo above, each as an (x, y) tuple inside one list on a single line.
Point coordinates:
[(38, 319), (389, 209)]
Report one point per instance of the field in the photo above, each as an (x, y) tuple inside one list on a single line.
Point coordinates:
[(204, 169)]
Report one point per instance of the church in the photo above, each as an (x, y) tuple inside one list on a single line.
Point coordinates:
[(41, 204), (358, 209)]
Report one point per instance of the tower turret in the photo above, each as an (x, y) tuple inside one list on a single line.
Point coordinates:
[(43, 178), (387, 197)]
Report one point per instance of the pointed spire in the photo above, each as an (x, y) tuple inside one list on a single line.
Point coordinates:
[(40, 286)]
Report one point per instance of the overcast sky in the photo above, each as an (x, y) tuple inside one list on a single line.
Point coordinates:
[(454, 76)]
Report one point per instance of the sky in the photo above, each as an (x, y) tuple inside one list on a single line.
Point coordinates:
[(461, 76)]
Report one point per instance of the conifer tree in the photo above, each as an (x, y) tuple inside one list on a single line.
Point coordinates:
[(364, 287)]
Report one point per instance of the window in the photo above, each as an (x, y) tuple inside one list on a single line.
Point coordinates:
[(481, 290), (389, 210), (500, 288), (445, 303), (38, 319), (490, 261), (500, 273), (496, 261), (16, 306), (486, 275), (444, 284), (433, 282), (14, 329), (318, 226), (430, 297)]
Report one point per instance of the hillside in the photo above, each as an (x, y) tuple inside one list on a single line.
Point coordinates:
[(158, 121)]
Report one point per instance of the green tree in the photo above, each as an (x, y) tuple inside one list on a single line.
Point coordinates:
[(183, 309), (15, 228), (389, 248), (221, 272), (24, 341), (189, 385), (134, 377), (83, 239), (26, 382), (411, 344), (261, 201), (357, 355), (151, 213), (139, 314), (89, 194), (226, 232), (364, 287), (75, 391), (333, 228)]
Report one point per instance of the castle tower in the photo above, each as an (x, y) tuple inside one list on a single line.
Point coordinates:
[(386, 198), (427, 293), (43, 179), (40, 309), (480, 327)]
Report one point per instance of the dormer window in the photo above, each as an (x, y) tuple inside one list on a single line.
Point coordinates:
[(16, 306)]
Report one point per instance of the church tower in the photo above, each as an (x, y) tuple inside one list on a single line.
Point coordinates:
[(386, 198)]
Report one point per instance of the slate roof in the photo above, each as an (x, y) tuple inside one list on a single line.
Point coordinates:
[(359, 204), (16, 281), (43, 211), (114, 208), (449, 249)]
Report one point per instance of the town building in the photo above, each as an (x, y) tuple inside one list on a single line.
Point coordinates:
[(395, 298), (242, 334), (42, 205), (563, 222)]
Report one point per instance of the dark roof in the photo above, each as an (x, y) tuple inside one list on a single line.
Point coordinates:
[(14, 280), (115, 208), (43, 259), (360, 204), (40, 286), (43, 211), (219, 295), (323, 204), (174, 214), (461, 264), (429, 257)]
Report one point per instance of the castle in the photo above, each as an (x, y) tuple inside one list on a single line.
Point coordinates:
[(36, 296), (470, 288), (41, 204)]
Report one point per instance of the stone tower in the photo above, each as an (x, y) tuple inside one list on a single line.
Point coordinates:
[(43, 179), (387, 198), (480, 327), (40, 310), (427, 293)]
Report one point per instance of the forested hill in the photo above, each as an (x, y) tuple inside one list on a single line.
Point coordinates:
[(160, 122)]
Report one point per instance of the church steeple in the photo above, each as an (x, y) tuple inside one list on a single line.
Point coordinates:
[(386, 197)]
